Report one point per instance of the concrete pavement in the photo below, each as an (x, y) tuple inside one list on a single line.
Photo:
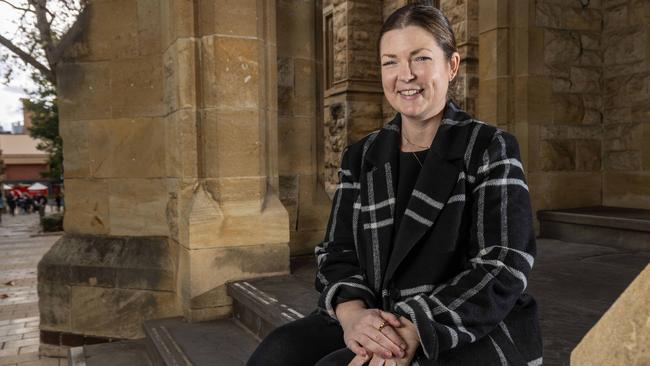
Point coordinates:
[(20, 252)]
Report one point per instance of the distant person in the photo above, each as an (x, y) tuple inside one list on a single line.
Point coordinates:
[(11, 202), (57, 200)]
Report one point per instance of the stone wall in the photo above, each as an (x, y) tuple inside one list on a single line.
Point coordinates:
[(540, 67), (170, 133), (353, 103), (566, 136), (626, 103), (300, 125)]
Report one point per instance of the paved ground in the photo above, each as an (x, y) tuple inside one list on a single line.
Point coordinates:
[(19, 256)]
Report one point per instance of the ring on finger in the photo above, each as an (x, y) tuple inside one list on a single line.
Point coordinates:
[(381, 326)]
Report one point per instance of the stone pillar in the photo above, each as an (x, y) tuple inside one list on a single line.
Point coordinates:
[(353, 99), (300, 122), (169, 123), (231, 222)]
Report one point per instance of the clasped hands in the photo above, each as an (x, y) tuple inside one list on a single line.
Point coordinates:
[(376, 336)]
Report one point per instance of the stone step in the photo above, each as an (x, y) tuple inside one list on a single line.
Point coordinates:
[(264, 304), (173, 342), (616, 227), (126, 353)]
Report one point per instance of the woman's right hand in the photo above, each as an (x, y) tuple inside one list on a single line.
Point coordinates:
[(362, 334)]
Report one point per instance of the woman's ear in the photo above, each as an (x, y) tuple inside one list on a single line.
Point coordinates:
[(454, 64)]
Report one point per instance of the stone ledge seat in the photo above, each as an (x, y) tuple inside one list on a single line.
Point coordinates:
[(624, 228)]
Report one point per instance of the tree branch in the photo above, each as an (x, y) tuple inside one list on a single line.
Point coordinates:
[(29, 59), (16, 7), (71, 36), (44, 30)]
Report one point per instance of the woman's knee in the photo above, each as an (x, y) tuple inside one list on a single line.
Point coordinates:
[(276, 349)]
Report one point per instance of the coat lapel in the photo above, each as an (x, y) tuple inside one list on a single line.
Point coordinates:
[(378, 202), (433, 187)]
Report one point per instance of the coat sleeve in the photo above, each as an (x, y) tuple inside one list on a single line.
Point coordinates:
[(339, 276), (500, 257)]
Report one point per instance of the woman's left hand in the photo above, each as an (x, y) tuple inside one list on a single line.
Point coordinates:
[(409, 334)]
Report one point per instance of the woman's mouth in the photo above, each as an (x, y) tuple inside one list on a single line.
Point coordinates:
[(410, 93)]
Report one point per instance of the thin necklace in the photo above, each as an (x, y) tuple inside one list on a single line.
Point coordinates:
[(409, 141), (412, 152), (418, 159)]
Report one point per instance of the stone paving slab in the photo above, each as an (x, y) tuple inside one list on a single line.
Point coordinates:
[(19, 318)]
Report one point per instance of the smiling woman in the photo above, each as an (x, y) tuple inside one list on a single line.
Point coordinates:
[(430, 238)]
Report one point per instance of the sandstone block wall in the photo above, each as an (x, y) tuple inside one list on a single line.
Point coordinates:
[(625, 46)]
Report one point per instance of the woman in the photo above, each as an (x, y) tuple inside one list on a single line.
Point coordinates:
[(430, 239)]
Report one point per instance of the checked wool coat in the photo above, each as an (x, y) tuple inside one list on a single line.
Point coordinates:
[(457, 267)]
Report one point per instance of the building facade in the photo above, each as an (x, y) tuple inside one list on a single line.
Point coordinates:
[(202, 139)]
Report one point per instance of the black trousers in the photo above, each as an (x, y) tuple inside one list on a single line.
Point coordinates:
[(313, 340)]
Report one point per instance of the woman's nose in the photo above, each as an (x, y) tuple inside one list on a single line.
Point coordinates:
[(405, 73)]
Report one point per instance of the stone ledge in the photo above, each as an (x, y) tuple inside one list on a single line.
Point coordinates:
[(102, 261)]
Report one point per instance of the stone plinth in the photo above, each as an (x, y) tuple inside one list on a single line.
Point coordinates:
[(622, 335)]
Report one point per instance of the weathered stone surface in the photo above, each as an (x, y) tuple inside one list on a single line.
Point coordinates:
[(624, 136), (83, 89), (127, 148), (229, 17), (179, 68), (565, 189), (557, 155), (112, 30), (568, 109), (298, 153), (181, 144), (629, 160), (645, 155), (234, 62), (117, 313), (561, 48), (622, 335), (625, 46), (76, 155), (177, 20), (138, 207), (219, 225), (585, 80), (232, 143), (136, 87), (86, 208), (626, 189), (54, 306), (295, 27), (205, 272), (588, 155)]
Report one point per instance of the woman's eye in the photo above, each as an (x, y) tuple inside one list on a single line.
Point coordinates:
[(422, 58), (388, 63)]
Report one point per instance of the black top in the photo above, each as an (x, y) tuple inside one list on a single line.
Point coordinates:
[(409, 169)]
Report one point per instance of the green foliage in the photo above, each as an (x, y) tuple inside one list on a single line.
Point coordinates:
[(42, 105), (53, 222)]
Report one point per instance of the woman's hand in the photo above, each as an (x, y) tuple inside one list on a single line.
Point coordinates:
[(364, 333), (406, 331)]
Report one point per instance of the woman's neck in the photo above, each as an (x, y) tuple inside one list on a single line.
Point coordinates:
[(418, 134)]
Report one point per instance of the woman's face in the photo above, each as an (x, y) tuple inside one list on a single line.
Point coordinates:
[(415, 73)]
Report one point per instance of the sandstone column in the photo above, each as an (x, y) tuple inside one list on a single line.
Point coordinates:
[(231, 222)]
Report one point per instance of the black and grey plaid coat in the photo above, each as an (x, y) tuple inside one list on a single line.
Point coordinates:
[(460, 260)]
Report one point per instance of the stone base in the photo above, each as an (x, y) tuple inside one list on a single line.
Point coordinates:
[(106, 286)]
